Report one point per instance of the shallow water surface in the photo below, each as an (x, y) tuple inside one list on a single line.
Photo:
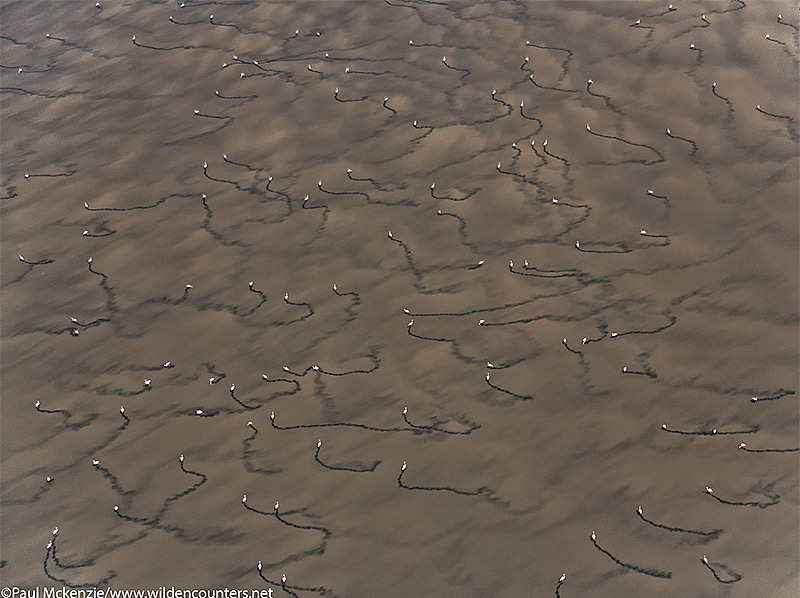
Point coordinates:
[(480, 293)]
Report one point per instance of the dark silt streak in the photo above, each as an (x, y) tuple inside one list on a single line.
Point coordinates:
[(289, 207), (463, 237), (153, 524), (412, 266), (375, 183), (724, 99), (790, 122), (174, 22), (647, 373), (565, 169), (713, 534), (374, 73), (295, 384), (69, 44), (155, 204), (450, 341), (437, 428), (232, 183), (389, 108), (350, 310), (621, 248), (11, 191), (780, 21), (16, 42), (311, 368), (773, 499), (231, 25), (245, 406), (509, 107), (533, 181), (536, 152), (514, 395), (273, 583), (448, 198), (203, 478), (689, 141), (264, 72), (28, 92), (249, 456), (37, 262), (529, 320), (206, 226), (361, 469), (325, 212), (698, 63), (466, 72), (366, 196), (532, 79), (479, 310), (606, 99), (712, 432), (544, 273), (50, 555), (69, 172), (762, 111), (449, 489), (644, 570), (564, 63), (224, 97), (138, 44), (107, 233), (526, 117), (285, 561), (743, 447), (652, 193), (340, 425), (552, 155), (338, 99), (644, 145), (28, 70), (430, 129), (732, 576), (376, 363), (307, 306), (326, 533), (570, 349), (250, 168), (112, 479), (776, 397), (671, 321), (373, 356)]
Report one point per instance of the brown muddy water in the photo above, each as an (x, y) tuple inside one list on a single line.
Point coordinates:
[(536, 406)]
